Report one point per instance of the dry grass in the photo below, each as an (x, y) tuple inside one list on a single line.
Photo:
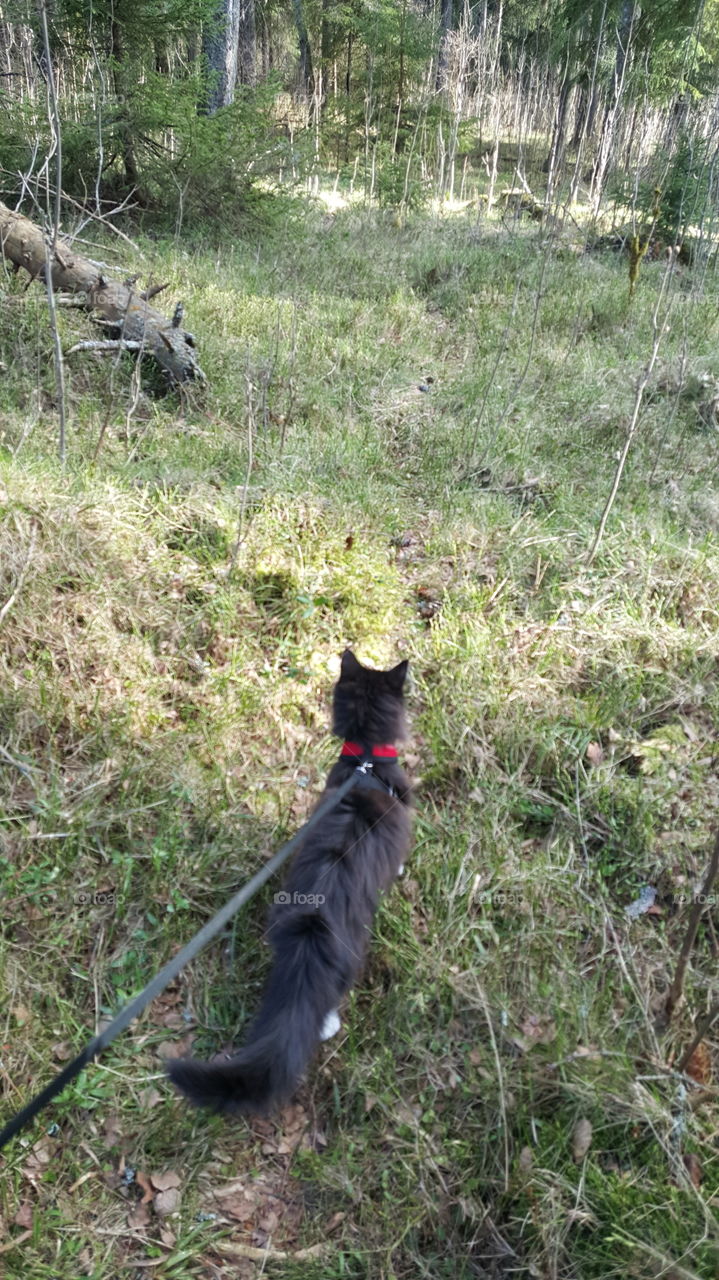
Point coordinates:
[(165, 724)]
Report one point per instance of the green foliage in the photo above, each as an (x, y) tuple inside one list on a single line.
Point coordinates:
[(399, 182), (677, 198), (688, 192)]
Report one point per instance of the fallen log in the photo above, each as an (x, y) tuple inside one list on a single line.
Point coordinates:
[(114, 305)]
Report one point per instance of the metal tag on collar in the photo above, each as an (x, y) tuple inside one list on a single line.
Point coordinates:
[(364, 767)]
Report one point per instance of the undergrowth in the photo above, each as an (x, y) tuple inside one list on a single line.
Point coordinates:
[(397, 453)]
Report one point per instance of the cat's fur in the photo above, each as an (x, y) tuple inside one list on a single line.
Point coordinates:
[(348, 859)]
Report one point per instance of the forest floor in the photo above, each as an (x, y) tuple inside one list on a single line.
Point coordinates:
[(406, 444)]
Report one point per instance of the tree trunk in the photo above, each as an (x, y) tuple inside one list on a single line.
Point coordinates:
[(220, 48), (445, 26), (119, 72), (348, 72), (308, 79), (247, 47), (326, 49), (555, 159), (118, 306)]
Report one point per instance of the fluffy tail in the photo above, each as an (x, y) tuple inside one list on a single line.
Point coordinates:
[(308, 978)]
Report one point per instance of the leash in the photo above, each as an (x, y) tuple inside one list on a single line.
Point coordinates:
[(361, 776)]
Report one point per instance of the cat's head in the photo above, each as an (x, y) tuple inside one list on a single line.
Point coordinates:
[(369, 704)]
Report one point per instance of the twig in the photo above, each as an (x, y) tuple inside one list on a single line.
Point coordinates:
[(153, 291), (290, 380), (707, 1021), (4, 611), (695, 915), (234, 1249), (250, 463), (56, 348), (106, 346), (659, 331)]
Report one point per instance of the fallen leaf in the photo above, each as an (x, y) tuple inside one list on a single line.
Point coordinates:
[(595, 754), (269, 1221), (112, 1134), (165, 1181), (146, 1187), (526, 1159), (168, 1238), (23, 1217), (138, 1217), (175, 1048), (581, 1138), (699, 1066), (238, 1206), (693, 1166), (538, 1029), (335, 1221), (173, 1020), (61, 1051), (167, 1202), (587, 1051), (38, 1159), (150, 1098), (232, 1188)]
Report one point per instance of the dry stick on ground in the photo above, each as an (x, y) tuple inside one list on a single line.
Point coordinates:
[(660, 328), (117, 305), (241, 531), (675, 990), (236, 1250)]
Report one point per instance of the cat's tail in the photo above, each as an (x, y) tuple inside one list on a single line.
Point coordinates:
[(308, 978)]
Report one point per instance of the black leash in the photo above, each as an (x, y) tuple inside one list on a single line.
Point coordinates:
[(362, 776)]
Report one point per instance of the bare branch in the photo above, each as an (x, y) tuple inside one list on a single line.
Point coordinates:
[(106, 346)]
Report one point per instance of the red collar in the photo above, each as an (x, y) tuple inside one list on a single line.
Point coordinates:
[(381, 751)]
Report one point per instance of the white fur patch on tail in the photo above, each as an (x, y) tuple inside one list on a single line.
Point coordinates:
[(331, 1025), (400, 869)]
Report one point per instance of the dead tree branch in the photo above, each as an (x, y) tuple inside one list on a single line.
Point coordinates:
[(111, 303)]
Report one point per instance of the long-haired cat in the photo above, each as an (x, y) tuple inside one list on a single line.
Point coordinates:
[(319, 928)]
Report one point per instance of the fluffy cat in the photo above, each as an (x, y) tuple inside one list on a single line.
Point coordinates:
[(320, 926)]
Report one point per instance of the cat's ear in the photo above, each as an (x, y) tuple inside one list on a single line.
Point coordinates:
[(350, 667), (397, 676)]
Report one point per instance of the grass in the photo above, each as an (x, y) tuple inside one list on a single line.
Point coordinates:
[(165, 724)]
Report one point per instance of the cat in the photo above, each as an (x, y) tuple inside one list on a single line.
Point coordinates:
[(320, 925)]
